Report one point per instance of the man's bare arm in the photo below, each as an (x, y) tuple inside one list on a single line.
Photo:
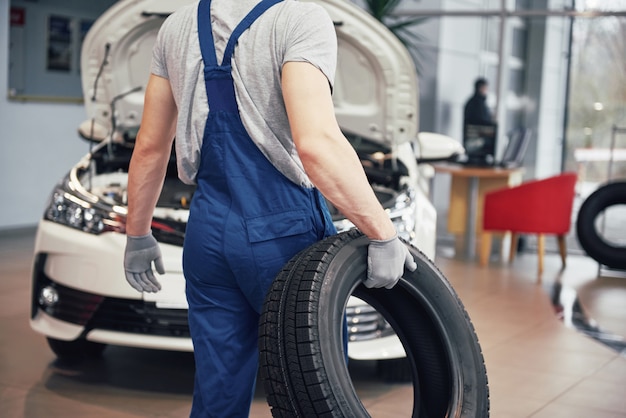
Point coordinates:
[(328, 158), (152, 151)]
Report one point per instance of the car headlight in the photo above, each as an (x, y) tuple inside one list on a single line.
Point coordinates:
[(70, 210), (401, 211), (402, 215)]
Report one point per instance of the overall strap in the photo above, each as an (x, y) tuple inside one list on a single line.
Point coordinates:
[(257, 11), (205, 33)]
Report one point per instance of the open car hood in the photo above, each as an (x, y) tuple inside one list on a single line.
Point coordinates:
[(375, 93)]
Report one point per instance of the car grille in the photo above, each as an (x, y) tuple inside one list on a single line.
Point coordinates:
[(139, 317)]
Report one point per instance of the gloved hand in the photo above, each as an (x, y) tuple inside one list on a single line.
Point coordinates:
[(386, 261), (140, 252)]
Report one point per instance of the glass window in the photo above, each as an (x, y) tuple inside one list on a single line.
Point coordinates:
[(612, 5), (516, 81), (491, 74), (596, 98), (514, 119), (492, 34), (518, 43)]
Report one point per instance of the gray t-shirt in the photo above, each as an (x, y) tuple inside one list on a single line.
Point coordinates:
[(288, 31)]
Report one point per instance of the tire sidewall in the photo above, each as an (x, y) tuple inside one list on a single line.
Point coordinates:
[(432, 290), (588, 236)]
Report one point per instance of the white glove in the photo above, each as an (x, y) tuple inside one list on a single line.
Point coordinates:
[(138, 257), (386, 261)]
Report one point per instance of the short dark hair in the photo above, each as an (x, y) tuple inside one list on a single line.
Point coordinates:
[(480, 82)]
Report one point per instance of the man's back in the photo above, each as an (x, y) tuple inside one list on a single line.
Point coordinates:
[(284, 33)]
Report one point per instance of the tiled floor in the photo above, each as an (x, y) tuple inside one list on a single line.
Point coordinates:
[(537, 367)]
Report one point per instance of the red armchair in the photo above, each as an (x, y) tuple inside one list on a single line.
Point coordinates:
[(535, 207)]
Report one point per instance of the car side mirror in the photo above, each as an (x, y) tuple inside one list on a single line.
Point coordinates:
[(432, 147), (92, 131)]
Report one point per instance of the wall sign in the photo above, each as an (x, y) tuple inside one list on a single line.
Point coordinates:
[(18, 16), (44, 47), (59, 54)]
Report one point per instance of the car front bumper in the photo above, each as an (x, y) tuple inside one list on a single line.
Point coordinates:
[(94, 301)]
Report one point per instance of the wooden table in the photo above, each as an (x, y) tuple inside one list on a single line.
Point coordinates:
[(467, 191)]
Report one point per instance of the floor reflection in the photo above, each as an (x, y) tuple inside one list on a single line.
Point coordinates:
[(569, 309)]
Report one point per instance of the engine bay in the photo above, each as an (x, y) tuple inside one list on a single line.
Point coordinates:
[(107, 177)]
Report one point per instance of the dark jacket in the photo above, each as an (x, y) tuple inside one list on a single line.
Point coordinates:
[(476, 111)]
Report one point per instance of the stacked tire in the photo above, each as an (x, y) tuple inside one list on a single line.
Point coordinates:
[(302, 361), (612, 255)]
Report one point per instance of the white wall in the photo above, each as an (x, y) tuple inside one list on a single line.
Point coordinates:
[(38, 144)]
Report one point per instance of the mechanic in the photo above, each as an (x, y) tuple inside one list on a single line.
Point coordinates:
[(246, 89)]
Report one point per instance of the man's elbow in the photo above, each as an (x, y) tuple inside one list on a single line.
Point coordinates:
[(313, 147), (152, 155)]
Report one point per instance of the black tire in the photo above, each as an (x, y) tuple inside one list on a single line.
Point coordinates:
[(302, 361), (395, 370), (604, 252), (80, 349)]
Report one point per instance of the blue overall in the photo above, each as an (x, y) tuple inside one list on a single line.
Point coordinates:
[(246, 221)]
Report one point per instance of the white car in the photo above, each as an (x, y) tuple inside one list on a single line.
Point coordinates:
[(80, 298)]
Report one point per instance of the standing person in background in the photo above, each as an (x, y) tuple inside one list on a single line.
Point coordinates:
[(246, 89), (479, 128), (476, 111)]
